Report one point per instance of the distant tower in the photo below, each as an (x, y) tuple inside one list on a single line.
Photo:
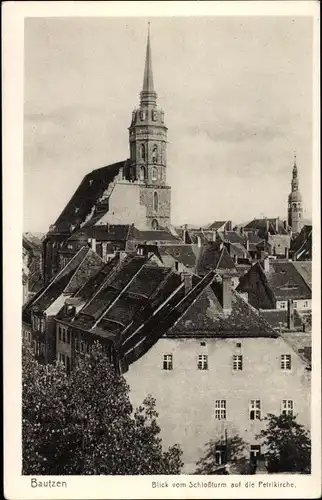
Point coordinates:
[(148, 144), (295, 209)]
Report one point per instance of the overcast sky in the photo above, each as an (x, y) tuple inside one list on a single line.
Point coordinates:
[(237, 96)]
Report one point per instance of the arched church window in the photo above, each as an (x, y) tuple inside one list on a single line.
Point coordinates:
[(155, 202), (142, 174), (155, 154), (142, 152), (154, 174), (155, 225)]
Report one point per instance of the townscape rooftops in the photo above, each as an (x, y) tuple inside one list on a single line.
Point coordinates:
[(302, 244), (117, 232), (216, 225), (304, 268)]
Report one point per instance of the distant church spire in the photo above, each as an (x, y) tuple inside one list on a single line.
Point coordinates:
[(148, 94), (295, 208)]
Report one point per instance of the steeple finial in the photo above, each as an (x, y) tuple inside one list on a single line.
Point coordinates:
[(148, 94)]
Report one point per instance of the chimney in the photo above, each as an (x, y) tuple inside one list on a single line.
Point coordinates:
[(229, 225), (242, 230), (187, 279), (276, 225), (266, 264), (93, 244), (290, 315), (226, 293)]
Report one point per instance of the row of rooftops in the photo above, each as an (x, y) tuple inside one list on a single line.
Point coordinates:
[(133, 302)]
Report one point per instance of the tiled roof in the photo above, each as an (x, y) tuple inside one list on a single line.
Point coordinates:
[(301, 343), (302, 244), (87, 196), (182, 253), (261, 226), (304, 268), (236, 249), (286, 282), (278, 319), (217, 224), (153, 236), (232, 237), (83, 264), (111, 232), (205, 317), (214, 257)]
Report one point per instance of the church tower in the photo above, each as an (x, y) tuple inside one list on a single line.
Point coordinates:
[(295, 209), (148, 147)]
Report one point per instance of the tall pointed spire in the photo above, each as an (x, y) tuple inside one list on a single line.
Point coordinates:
[(148, 94)]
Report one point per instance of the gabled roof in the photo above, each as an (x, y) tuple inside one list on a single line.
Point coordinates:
[(215, 256), (285, 281), (275, 226), (179, 252), (301, 245), (206, 318), (232, 237), (153, 236), (77, 271), (304, 268), (217, 224), (118, 232)]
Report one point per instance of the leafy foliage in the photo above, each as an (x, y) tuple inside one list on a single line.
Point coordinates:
[(287, 444), (83, 423), (236, 458)]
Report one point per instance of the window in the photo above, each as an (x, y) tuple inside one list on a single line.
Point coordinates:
[(220, 454), (142, 174), (155, 154), (255, 452), (43, 325), (237, 362), (59, 332), (82, 346), (295, 304), (167, 362), (154, 115), (38, 324), (154, 174), (142, 115), (142, 152), (306, 303), (238, 344), (76, 345), (255, 409), (155, 202), (202, 362), (220, 409), (285, 362), (155, 225), (282, 305), (203, 344), (287, 407), (42, 349)]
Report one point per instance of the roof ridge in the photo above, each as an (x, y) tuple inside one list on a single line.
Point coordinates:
[(77, 268), (51, 282)]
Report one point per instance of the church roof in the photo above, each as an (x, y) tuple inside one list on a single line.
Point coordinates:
[(86, 197), (110, 232)]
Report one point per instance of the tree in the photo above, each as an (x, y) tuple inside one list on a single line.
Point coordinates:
[(83, 422), (234, 447), (287, 444)]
